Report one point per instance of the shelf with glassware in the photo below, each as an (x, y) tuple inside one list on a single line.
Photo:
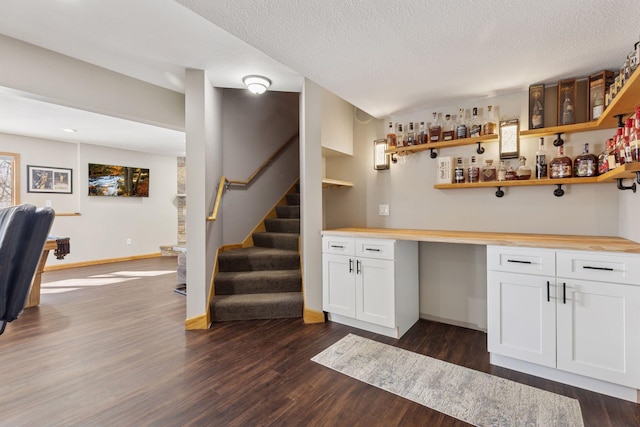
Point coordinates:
[(626, 171), (621, 106)]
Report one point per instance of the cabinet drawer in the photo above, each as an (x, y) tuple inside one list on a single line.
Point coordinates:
[(521, 260), (375, 248), (602, 267), (338, 245)]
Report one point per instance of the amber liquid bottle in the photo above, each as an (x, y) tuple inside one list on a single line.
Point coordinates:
[(435, 130), (448, 129), (391, 136), (489, 127), (475, 129), (561, 166), (586, 164)]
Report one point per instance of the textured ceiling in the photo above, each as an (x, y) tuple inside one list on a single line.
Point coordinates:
[(383, 57), (388, 57)]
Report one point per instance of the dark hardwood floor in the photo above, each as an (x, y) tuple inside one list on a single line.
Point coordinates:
[(112, 351)]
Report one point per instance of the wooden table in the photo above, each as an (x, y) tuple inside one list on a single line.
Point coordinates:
[(34, 296)]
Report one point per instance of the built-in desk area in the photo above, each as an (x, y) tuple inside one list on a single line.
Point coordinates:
[(562, 307)]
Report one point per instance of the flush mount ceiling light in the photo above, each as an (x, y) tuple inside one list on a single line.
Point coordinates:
[(69, 130), (256, 84)]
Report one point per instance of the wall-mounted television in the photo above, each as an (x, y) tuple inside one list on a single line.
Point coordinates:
[(118, 181)]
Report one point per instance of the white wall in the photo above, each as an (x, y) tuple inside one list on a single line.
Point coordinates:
[(460, 296), (337, 123), (204, 167), (105, 223), (253, 128)]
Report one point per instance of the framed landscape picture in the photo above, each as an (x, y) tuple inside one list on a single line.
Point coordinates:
[(536, 106), (44, 179)]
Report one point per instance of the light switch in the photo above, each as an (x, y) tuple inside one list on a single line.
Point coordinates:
[(383, 210)]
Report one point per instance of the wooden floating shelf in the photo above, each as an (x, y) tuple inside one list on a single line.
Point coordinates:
[(68, 214), (335, 183), (626, 171), (520, 183), (442, 144)]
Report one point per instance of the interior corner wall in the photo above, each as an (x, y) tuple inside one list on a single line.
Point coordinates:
[(628, 207), (311, 193), (105, 224), (253, 129), (203, 118)]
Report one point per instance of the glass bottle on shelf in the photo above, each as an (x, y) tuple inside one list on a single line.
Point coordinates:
[(502, 171), (489, 127), (634, 139), (422, 136), (619, 148), (510, 174), (435, 129), (541, 161), (602, 159), (458, 172), (461, 126), (524, 171), (475, 129), (448, 129), (626, 140), (488, 171), (391, 136), (611, 155), (400, 136), (473, 174), (561, 166), (586, 164), (411, 135)]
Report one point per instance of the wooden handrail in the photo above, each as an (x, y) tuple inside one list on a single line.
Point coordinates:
[(264, 165), (216, 204), (224, 182)]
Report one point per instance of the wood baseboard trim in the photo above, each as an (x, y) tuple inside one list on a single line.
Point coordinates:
[(198, 322), (99, 261), (312, 316)]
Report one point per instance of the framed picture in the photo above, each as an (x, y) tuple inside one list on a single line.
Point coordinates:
[(567, 90), (118, 181), (536, 106), (598, 87), (43, 179)]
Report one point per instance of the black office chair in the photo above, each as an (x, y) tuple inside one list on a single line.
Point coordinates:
[(23, 234)]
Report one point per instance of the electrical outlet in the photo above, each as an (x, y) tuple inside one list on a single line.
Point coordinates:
[(128, 241), (383, 210)]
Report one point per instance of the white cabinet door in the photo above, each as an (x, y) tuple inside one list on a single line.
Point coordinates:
[(599, 330), (375, 291), (338, 277), (522, 317)]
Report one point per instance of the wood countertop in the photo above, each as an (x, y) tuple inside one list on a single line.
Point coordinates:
[(552, 241)]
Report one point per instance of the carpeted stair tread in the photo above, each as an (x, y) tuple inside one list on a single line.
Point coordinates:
[(276, 240), (288, 211), (293, 199), (258, 258), (282, 225), (256, 306), (248, 282)]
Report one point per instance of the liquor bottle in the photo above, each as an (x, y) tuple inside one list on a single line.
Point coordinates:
[(510, 174), (422, 136), (524, 171), (448, 129), (586, 164), (603, 159), (458, 172), (476, 125), (619, 147), (611, 155), (473, 174), (488, 171), (502, 171), (561, 166), (400, 136), (634, 139), (461, 126), (541, 161), (626, 140), (391, 136), (411, 135), (489, 127), (435, 129)]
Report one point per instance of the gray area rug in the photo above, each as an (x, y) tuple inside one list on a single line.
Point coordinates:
[(471, 396)]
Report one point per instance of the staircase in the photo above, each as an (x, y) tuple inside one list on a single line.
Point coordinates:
[(262, 281)]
